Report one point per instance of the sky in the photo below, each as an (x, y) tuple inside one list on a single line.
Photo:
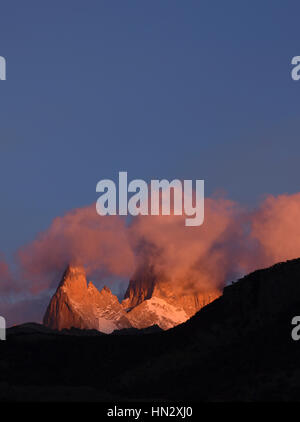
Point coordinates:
[(160, 89)]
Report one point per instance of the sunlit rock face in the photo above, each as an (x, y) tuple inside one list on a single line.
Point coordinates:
[(76, 304), (148, 301), (152, 300)]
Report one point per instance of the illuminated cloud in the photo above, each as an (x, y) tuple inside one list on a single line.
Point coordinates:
[(231, 242)]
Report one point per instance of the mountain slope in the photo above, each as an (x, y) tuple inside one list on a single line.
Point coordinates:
[(149, 300), (76, 304), (238, 347), (153, 300)]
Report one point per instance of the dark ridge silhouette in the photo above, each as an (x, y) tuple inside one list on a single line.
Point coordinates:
[(239, 347)]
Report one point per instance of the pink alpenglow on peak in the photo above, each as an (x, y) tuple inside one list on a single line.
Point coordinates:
[(76, 304), (148, 301)]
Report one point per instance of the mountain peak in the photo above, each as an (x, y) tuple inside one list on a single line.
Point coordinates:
[(106, 290), (149, 300), (73, 270), (74, 280), (76, 304)]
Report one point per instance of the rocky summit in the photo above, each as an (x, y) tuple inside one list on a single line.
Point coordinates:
[(237, 348), (81, 305), (148, 301)]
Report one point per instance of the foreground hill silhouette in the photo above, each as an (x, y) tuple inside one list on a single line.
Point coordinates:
[(238, 347)]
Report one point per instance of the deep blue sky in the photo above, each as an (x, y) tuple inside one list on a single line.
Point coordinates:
[(174, 89)]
